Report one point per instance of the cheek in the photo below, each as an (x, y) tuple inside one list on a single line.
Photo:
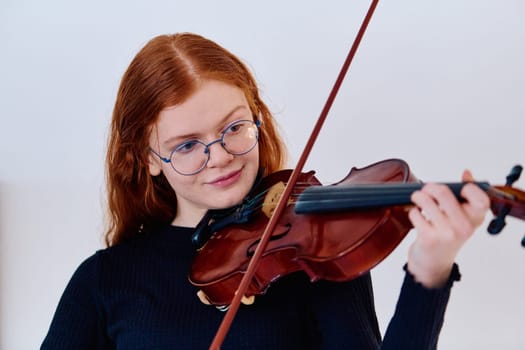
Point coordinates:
[(255, 155), (253, 164), (178, 182)]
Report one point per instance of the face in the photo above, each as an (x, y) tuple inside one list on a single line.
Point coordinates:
[(226, 179)]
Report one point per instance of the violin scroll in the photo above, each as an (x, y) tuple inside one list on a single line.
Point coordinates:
[(507, 200)]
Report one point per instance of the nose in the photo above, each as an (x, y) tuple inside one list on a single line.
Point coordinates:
[(219, 156)]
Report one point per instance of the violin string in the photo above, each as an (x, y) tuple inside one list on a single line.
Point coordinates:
[(356, 193)]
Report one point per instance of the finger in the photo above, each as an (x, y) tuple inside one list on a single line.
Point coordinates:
[(418, 220), (454, 212), (477, 203), (426, 201), (467, 176)]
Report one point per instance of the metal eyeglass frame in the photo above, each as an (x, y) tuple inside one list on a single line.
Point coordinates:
[(207, 147)]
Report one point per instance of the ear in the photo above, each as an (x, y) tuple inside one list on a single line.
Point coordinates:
[(154, 164)]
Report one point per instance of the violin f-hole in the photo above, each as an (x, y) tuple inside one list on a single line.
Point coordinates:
[(251, 248)]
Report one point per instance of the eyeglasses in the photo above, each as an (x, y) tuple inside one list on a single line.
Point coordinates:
[(190, 157)]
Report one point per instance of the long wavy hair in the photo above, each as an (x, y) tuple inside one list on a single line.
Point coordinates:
[(165, 72)]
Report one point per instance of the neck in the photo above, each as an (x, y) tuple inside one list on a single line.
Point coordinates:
[(319, 199), (188, 218)]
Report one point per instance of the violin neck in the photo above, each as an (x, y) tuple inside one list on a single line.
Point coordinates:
[(344, 197)]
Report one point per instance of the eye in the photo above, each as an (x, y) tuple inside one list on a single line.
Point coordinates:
[(187, 147), (235, 127)]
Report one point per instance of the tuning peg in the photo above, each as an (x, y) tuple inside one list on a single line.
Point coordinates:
[(497, 224), (514, 174)]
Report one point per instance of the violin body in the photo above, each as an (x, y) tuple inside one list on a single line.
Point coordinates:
[(335, 246)]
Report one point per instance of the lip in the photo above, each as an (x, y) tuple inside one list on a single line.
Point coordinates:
[(227, 180)]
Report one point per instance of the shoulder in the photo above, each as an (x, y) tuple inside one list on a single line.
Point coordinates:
[(133, 247), (91, 277), (167, 244), (87, 269), (90, 268)]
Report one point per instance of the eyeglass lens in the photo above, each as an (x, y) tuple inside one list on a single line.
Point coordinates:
[(238, 138)]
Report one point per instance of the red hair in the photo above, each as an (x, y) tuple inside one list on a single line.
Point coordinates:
[(165, 72)]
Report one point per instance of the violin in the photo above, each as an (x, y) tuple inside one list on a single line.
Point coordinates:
[(292, 223), (336, 232)]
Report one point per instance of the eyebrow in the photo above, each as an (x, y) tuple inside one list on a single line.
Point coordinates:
[(171, 140)]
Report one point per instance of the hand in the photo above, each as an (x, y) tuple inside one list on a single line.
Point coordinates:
[(443, 225)]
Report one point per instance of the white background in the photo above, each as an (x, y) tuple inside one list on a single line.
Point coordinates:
[(439, 84)]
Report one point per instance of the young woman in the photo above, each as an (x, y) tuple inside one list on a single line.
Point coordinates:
[(189, 134)]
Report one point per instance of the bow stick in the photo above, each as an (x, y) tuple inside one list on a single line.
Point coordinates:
[(243, 286)]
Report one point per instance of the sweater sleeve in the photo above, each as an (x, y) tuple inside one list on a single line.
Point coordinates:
[(419, 314), (77, 322)]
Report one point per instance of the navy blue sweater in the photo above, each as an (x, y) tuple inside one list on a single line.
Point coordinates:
[(136, 295)]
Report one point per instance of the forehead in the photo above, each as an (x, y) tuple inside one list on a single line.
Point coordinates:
[(211, 103)]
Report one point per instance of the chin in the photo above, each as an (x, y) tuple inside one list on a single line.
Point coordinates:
[(230, 200), (230, 203)]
